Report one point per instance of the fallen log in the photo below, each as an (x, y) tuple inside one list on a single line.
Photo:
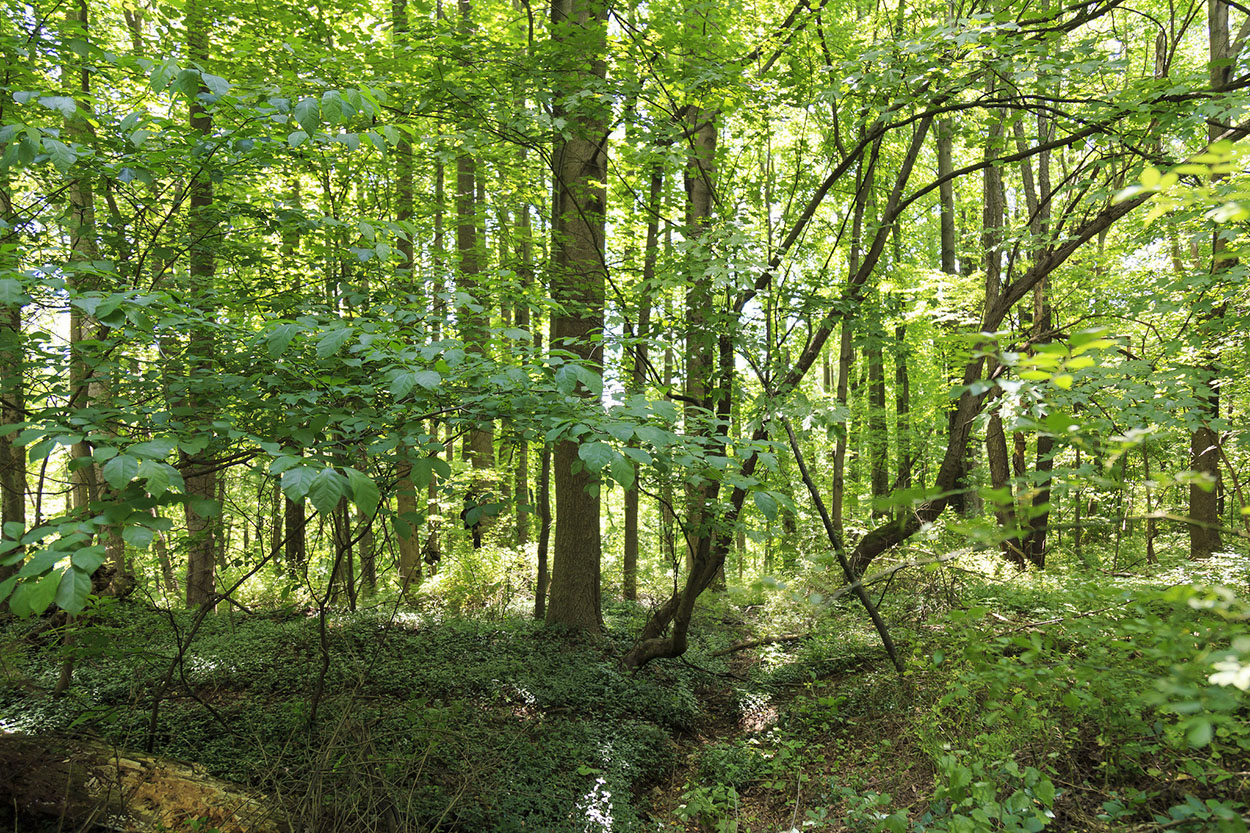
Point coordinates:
[(91, 785)]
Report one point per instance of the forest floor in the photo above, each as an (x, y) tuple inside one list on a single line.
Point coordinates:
[(1066, 701)]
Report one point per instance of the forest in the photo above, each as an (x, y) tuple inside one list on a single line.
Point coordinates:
[(690, 415)]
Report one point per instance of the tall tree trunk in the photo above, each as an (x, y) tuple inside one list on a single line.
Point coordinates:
[(1204, 459), (700, 334), (961, 501), (474, 321), (902, 412), (410, 519), (638, 373), (878, 429), (579, 158), (995, 437), (1039, 201), (198, 471), (296, 554), (521, 468), (12, 385)]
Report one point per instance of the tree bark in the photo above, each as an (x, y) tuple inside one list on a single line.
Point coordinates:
[(198, 470), (12, 386), (578, 274), (1204, 458)]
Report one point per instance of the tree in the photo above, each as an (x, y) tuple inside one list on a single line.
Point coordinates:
[(578, 272)]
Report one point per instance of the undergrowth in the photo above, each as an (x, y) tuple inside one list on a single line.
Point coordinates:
[(1072, 700)]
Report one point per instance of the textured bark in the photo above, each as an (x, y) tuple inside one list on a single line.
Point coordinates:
[(198, 470), (578, 275), (878, 428), (700, 329), (81, 782), (902, 412), (407, 528), (995, 437), (296, 554), (542, 579), (1204, 459), (12, 389), (479, 446), (525, 273)]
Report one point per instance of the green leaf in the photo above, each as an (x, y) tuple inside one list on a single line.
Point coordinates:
[(6, 587), (428, 379), (157, 449), (332, 107), (326, 490), (41, 562), (364, 491), (60, 153), (401, 384), (163, 74), (332, 341), (280, 339), (217, 85), (297, 481), (156, 476), (40, 598), (72, 591), (596, 455), (766, 504), (41, 450), (11, 292), (120, 471), (62, 104), (308, 114), (622, 472), (139, 537), (88, 559)]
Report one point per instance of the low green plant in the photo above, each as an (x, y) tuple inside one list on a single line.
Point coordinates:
[(714, 808)]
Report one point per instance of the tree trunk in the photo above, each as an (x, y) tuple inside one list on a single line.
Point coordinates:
[(902, 413), (995, 437), (700, 336), (638, 374), (12, 386), (79, 782), (578, 274), (198, 470), (878, 429), (1204, 459)]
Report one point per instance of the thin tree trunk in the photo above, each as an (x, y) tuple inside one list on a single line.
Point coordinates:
[(902, 412), (639, 371), (1204, 531)]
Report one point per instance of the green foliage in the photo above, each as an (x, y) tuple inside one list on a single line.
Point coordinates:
[(714, 808), (496, 725)]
